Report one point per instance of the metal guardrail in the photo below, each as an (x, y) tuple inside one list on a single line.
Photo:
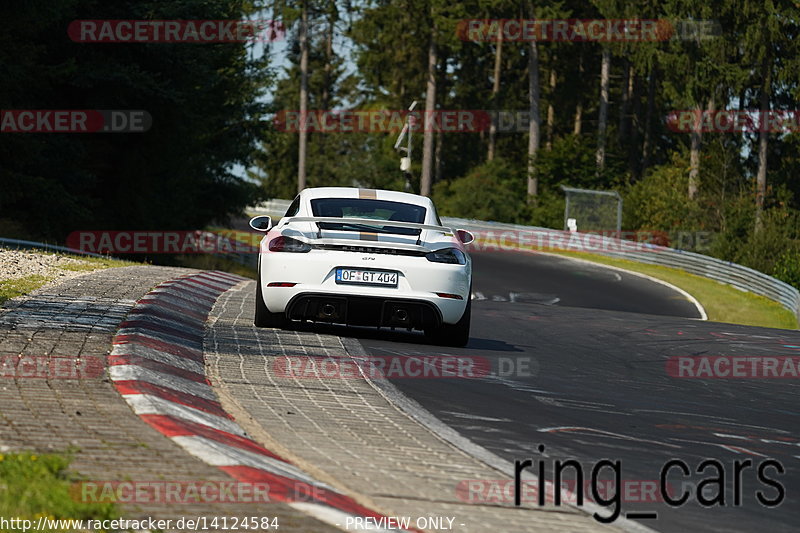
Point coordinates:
[(17, 243), (738, 276)]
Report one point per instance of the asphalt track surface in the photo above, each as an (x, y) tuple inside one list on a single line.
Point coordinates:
[(598, 388)]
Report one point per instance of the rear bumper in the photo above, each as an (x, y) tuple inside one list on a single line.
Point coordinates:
[(364, 311), (314, 274)]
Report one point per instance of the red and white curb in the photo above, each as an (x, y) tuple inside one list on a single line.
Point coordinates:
[(157, 365)]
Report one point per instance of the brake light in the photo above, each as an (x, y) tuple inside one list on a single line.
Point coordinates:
[(288, 244), (453, 256), (449, 295)]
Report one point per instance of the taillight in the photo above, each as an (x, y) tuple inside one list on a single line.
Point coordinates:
[(287, 244), (453, 256), (449, 295), (281, 284)]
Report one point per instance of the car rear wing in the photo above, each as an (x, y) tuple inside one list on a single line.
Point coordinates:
[(370, 222)]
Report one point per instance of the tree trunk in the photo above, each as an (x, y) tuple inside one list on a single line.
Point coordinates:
[(327, 71), (533, 126), (498, 58), (303, 139), (625, 105), (442, 88), (430, 108), (325, 98), (634, 123), (437, 157), (602, 119), (576, 128), (648, 118), (763, 140), (694, 154), (551, 112)]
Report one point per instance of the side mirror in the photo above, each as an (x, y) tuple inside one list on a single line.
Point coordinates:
[(465, 236), (261, 223)]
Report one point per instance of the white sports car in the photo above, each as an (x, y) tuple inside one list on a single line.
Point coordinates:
[(365, 257)]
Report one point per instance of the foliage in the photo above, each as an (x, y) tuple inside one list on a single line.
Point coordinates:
[(39, 485), (211, 107), (203, 100), (489, 192), (659, 201)]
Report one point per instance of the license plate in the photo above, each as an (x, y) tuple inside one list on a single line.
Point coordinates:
[(366, 277)]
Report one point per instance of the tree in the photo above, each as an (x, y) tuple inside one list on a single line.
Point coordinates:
[(303, 134), (430, 109), (204, 101), (602, 115)]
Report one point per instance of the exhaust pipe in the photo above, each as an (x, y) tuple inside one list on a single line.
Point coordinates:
[(401, 315), (328, 310)]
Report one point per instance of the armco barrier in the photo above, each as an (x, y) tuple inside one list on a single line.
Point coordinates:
[(32, 245), (738, 276), (741, 277)]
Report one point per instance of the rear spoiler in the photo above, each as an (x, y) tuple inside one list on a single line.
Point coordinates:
[(370, 222)]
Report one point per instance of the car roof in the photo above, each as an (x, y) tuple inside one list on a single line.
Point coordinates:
[(356, 192)]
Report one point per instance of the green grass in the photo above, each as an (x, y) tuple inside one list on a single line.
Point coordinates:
[(36, 485), (722, 302), (212, 262), (95, 263), (11, 288)]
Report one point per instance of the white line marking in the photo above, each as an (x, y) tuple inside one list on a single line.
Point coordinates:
[(162, 379), (196, 345), (139, 350), (217, 454), (197, 328), (692, 299), (147, 404)]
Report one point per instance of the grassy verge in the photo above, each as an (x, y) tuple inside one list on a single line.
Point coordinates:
[(722, 303), (95, 263), (40, 485), (11, 288), (212, 262)]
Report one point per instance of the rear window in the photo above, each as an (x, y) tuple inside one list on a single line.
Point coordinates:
[(365, 208)]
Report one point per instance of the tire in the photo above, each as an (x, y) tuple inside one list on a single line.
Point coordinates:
[(456, 335), (263, 317)]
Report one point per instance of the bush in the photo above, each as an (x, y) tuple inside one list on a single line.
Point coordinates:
[(495, 190), (660, 201), (787, 268)]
